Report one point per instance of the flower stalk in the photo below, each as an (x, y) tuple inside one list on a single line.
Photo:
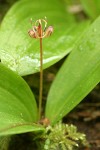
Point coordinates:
[(39, 31), (41, 79)]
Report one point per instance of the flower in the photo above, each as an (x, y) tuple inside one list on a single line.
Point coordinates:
[(38, 31)]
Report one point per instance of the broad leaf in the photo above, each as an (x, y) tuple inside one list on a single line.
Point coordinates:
[(18, 110), (78, 76), (92, 7), (21, 53)]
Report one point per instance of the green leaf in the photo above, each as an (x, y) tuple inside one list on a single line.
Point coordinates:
[(20, 52), (92, 7), (18, 110), (78, 76)]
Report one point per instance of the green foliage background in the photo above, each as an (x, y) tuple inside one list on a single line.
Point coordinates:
[(19, 54)]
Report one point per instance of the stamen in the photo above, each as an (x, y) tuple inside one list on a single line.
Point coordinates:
[(40, 30)]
